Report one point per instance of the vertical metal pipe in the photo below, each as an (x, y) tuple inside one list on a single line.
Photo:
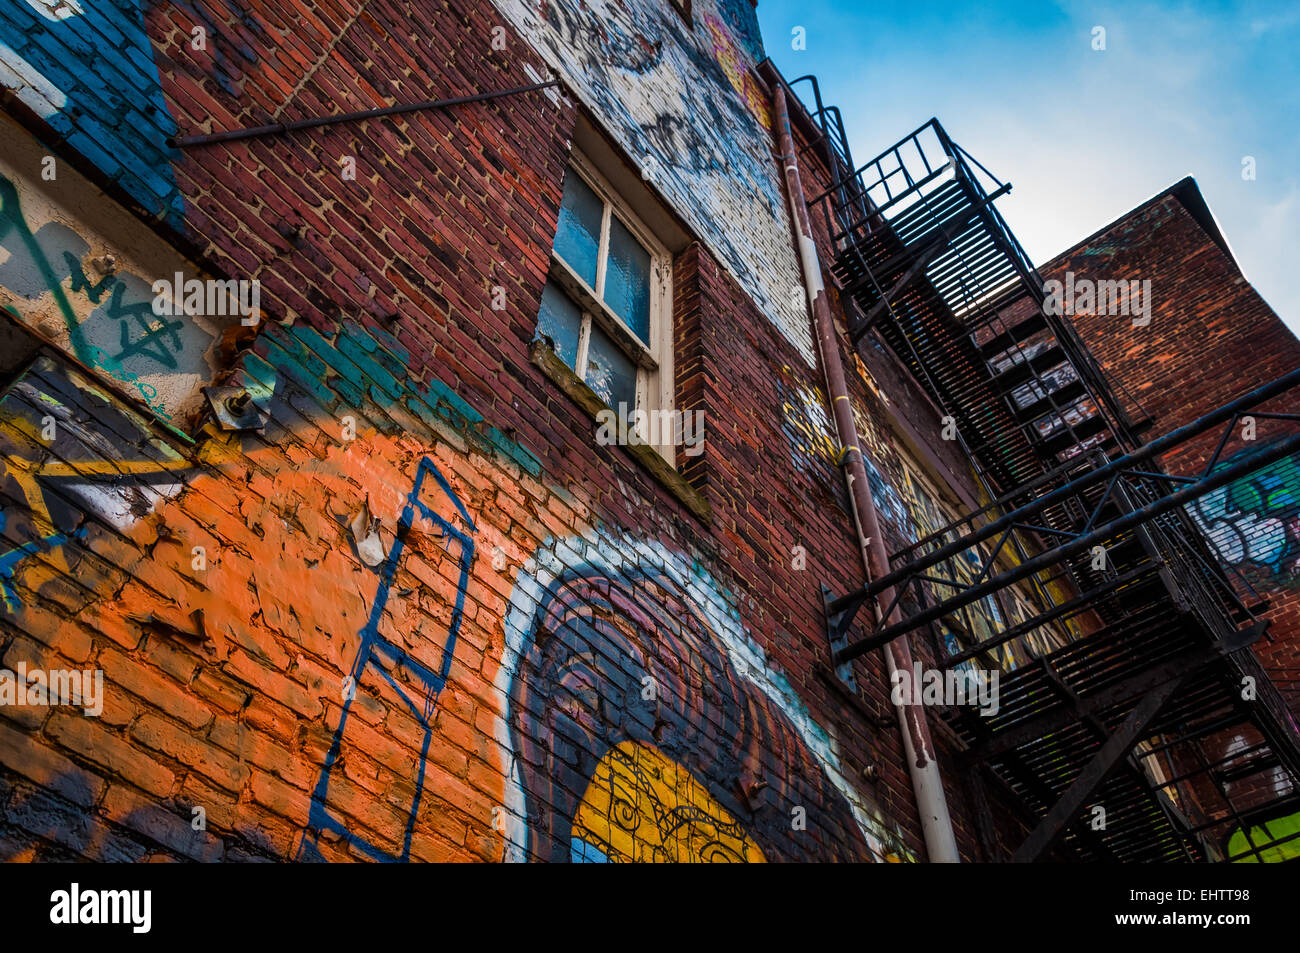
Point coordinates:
[(927, 786)]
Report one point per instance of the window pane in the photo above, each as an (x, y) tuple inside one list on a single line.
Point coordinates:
[(561, 321), (577, 239), (609, 372), (627, 279)]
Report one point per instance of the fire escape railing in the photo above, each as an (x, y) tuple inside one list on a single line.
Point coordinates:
[(1139, 642)]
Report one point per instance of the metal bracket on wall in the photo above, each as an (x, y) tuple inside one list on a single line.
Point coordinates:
[(234, 408), (837, 635)]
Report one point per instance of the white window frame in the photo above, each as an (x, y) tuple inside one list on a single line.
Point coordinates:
[(653, 358)]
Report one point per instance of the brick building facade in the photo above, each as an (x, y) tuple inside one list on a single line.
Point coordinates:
[(362, 578), (1211, 338), (1206, 338)]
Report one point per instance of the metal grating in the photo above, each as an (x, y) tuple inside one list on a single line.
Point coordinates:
[(1144, 713)]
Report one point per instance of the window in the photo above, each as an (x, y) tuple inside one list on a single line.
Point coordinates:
[(606, 306)]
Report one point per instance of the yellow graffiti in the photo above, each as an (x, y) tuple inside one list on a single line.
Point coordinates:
[(27, 475), (731, 59), (803, 414), (642, 807)]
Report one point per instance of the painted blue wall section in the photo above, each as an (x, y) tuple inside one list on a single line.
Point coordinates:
[(742, 18), (87, 68)]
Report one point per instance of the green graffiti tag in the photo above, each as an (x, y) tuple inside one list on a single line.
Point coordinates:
[(81, 284), (13, 220), (132, 324), (1255, 521)]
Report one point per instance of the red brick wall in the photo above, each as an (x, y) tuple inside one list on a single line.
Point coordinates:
[(1211, 338), (381, 370)]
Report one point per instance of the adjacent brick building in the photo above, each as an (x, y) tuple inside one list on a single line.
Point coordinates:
[(1210, 338), (363, 578)]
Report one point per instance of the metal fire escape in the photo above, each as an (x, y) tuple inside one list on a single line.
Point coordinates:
[(1141, 695)]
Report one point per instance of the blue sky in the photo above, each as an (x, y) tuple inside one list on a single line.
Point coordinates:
[(1082, 135)]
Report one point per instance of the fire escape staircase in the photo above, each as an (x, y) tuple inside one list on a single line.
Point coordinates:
[(1135, 722)]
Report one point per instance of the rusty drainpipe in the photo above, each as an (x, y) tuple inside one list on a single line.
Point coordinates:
[(936, 825)]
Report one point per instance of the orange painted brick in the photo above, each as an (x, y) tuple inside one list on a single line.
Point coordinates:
[(36, 762), (80, 734), (195, 752)]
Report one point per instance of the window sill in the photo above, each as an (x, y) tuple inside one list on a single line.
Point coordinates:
[(649, 458)]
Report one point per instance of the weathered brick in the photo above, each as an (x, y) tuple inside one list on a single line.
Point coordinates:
[(154, 688), (161, 825), (22, 753), (83, 736), (189, 749)]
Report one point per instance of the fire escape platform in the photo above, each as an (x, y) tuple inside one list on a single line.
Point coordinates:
[(1124, 694)]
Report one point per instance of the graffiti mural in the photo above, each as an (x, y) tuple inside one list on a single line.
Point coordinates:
[(644, 721), (806, 425), (1255, 521), (354, 683), (76, 465), (733, 62), (684, 105), (642, 807), (94, 296), (90, 493), (417, 672)]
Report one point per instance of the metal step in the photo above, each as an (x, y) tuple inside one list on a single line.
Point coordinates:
[(1063, 438), (1060, 399), (1022, 372), (1015, 334)]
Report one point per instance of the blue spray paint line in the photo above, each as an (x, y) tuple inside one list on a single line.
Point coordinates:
[(10, 560), (373, 647)]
